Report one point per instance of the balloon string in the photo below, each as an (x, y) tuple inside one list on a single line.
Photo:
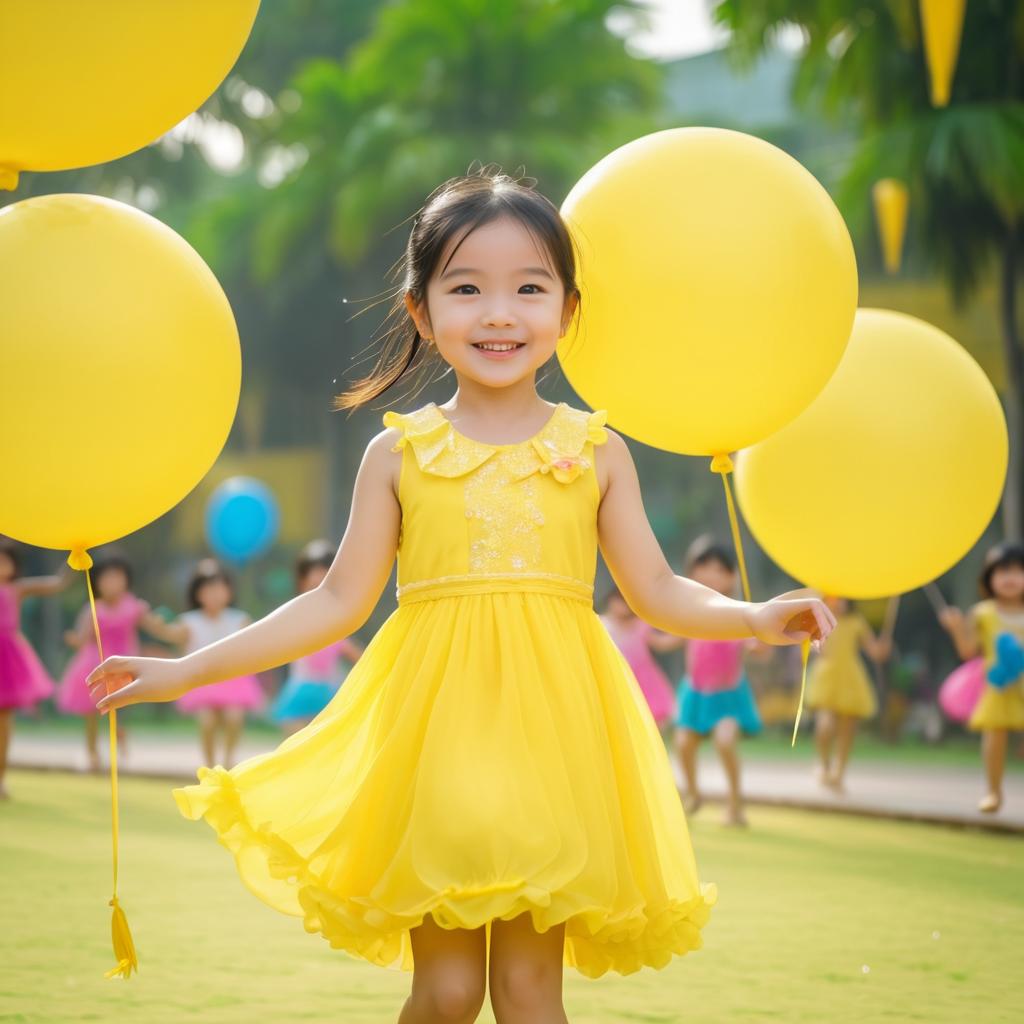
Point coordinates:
[(805, 653), (722, 465), (124, 948)]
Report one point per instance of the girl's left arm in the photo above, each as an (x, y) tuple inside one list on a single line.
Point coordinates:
[(674, 603)]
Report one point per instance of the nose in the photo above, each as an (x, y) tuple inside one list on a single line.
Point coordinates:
[(499, 315)]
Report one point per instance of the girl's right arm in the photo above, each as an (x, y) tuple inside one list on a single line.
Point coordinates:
[(307, 623), (963, 629)]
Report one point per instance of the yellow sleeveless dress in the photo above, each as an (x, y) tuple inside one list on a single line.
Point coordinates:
[(491, 753), (837, 680), (996, 708)]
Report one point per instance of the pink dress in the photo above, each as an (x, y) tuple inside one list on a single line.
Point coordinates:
[(240, 692), (631, 640), (23, 679), (119, 630)]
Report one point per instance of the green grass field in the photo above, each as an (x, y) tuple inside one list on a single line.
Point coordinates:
[(820, 918)]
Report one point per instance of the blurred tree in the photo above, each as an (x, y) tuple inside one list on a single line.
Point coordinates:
[(862, 61)]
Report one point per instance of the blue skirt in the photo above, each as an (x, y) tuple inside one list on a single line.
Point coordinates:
[(302, 698), (701, 712)]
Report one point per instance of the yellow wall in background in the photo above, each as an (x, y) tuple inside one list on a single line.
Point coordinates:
[(297, 476)]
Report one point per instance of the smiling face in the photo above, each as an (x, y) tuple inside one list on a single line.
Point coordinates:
[(495, 307), (214, 596), (1007, 582)]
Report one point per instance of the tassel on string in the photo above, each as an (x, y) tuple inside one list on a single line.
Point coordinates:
[(805, 653), (124, 947)]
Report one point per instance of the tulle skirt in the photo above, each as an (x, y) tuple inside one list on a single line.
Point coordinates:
[(999, 708), (73, 697), (702, 711), (242, 692), (302, 698), (24, 680), (490, 755), (844, 689)]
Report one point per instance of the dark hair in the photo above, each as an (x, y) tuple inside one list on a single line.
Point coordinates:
[(317, 553), (707, 548), (109, 563), (452, 211), (209, 570), (13, 552), (999, 557)]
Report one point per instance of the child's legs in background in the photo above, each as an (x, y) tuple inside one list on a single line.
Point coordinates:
[(92, 745), (234, 721), (993, 754), (726, 736), (846, 729), (450, 976), (824, 734), (208, 734), (526, 972), (6, 728), (687, 742)]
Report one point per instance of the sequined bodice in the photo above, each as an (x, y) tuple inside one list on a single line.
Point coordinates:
[(478, 516)]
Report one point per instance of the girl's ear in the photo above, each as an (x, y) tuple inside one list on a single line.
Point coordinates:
[(418, 312), (572, 300)]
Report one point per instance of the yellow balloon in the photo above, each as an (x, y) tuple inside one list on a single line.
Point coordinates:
[(87, 82), (892, 473), (119, 370), (719, 287)]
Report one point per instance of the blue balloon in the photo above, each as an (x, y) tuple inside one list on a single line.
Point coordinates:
[(242, 519)]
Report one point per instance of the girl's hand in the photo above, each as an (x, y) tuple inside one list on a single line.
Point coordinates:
[(123, 681), (951, 619), (785, 620)]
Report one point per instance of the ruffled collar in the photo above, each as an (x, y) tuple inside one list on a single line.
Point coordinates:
[(557, 448)]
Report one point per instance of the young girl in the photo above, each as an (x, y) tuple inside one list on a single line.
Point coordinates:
[(994, 628), (220, 707), (715, 698), (313, 680), (120, 615), (24, 680), (486, 775), (839, 689), (636, 639)]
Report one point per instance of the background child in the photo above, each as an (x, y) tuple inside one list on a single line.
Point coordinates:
[(120, 615), (994, 628), (636, 639), (313, 680), (839, 689), (220, 707), (715, 698), (24, 680)]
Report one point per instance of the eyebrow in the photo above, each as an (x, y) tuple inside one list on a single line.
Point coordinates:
[(471, 270)]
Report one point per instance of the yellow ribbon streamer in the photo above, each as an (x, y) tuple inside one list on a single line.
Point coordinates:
[(805, 653), (121, 936)]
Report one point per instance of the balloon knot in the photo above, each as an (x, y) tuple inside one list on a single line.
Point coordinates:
[(80, 559), (8, 178), (721, 464)]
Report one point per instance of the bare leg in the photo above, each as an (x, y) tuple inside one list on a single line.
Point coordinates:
[(687, 742), (234, 721), (449, 980), (526, 973), (824, 733), (846, 729), (208, 735), (993, 753), (6, 728), (92, 746), (726, 736)]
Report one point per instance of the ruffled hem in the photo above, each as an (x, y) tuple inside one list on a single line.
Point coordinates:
[(596, 941), (701, 712)]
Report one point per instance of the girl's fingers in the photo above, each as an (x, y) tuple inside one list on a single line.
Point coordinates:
[(119, 698), (114, 664)]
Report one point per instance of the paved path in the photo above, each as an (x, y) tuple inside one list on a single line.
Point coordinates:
[(916, 791)]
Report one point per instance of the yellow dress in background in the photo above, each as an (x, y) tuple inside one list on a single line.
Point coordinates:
[(837, 680), (491, 753), (996, 708)]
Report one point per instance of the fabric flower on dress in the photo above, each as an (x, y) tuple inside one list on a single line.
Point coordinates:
[(557, 456)]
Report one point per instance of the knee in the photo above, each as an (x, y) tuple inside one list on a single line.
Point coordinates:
[(726, 734), (525, 987), (454, 994)]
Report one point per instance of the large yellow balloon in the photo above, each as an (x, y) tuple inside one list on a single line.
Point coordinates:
[(891, 474), (119, 370), (719, 286), (81, 83)]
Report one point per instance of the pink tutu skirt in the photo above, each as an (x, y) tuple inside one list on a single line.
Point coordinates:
[(658, 692), (23, 679), (241, 692), (73, 695)]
